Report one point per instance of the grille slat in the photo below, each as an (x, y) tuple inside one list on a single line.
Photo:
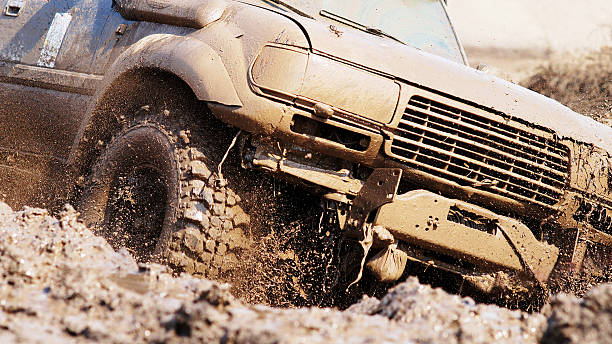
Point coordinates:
[(474, 163), (495, 189), (479, 175), (464, 125), (506, 131), (467, 148), (477, 145), (474, 135)]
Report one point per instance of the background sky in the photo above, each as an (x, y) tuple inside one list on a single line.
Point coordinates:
[(514, 37), (557, 25)]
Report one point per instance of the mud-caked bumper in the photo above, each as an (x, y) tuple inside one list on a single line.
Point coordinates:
[(467, 234)]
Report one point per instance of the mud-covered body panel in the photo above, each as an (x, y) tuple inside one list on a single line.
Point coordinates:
[(457, 81)]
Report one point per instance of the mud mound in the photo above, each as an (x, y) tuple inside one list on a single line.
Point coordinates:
[(458, 320), (63, 284), (583, 84), (587, 320)]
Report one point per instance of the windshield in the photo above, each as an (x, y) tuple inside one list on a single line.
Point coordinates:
[(422, 24)]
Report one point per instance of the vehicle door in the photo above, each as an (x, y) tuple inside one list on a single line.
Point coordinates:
[(47, 48)]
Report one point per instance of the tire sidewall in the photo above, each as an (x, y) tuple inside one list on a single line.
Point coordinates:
[(143, 144)]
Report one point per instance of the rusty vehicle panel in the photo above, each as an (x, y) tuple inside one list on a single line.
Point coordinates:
[(413, 151)]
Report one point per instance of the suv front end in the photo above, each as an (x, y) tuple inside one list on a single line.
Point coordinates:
[(413, 151), (494, 177)]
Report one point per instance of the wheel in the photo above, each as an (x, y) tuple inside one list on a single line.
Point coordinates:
[(154, 189)]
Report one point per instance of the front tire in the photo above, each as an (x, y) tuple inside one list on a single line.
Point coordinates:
[(153, 190)]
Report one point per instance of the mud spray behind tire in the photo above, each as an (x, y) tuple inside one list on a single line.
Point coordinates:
[(242, 227)]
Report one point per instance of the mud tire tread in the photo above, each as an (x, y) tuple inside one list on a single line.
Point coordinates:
[(209, 223)]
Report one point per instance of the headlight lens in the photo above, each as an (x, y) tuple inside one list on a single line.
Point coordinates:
[(310, 78)]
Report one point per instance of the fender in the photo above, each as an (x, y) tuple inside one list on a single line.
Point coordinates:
[(190, 59), (188, 13)]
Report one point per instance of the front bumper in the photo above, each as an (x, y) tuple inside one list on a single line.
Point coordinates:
[(467, 233)]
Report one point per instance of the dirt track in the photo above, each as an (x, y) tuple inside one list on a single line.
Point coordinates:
[(61, 284)]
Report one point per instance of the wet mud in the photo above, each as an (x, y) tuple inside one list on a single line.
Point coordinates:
[(63, 284)]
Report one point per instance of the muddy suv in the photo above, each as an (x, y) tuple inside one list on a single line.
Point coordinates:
[(130, 108)]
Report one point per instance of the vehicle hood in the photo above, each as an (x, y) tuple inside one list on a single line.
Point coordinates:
[(456, 80)]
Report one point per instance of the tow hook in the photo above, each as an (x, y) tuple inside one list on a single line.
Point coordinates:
[(380, 188)]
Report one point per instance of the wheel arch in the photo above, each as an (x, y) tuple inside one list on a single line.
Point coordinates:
[(155, 69), (190, 59)]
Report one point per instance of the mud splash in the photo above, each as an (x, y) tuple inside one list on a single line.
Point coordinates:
[(290, 263)]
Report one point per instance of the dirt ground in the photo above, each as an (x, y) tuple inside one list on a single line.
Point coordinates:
[(63, 284)]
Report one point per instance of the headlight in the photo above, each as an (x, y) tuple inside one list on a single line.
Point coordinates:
[(305, 78)]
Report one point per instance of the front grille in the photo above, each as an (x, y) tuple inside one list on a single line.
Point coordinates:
[(492, 154)]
